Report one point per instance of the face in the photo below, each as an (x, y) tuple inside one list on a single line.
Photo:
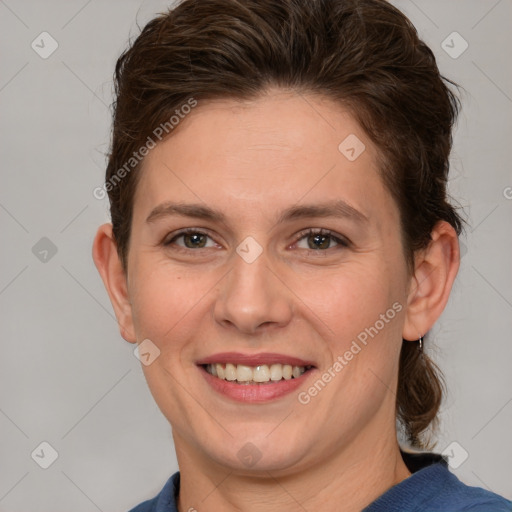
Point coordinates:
[(293, 255)]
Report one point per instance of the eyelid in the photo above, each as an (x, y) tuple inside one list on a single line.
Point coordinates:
[(170, 237), (340, 239)]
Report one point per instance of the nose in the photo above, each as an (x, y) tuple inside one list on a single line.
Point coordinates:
[(252, 298)]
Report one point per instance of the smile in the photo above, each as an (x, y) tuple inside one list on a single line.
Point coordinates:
[(260, 374), (255, 378)]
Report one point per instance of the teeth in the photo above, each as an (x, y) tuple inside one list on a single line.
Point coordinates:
[(276, 372), (255, 374), (261, 373), (243, 373), (296, 373), (230, 372)]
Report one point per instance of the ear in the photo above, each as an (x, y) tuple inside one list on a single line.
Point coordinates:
[(435, 269), (106, 259)]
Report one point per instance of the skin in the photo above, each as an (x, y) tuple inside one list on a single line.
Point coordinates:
[(252, 160)]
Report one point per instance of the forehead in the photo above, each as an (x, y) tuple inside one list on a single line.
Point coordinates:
[(273, 151)]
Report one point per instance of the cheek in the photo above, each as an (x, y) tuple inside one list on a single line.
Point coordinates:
[(349, 300), (359, 313), (165, 300)]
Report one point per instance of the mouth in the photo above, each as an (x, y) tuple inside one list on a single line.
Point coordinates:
[(261, 374), (255, 378)]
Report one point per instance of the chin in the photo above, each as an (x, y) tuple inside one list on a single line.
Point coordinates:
[(251, 455)]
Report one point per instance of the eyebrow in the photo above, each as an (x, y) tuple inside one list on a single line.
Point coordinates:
[(336, 208)]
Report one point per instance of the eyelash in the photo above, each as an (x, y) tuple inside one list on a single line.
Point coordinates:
[(341, 241)]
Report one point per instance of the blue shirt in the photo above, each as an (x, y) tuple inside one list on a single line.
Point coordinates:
[(430, 488)]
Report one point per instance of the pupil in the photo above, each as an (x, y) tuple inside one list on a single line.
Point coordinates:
[(194, 240), (323, 242)]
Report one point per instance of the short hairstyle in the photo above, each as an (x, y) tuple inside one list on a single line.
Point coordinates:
[(364, 54)]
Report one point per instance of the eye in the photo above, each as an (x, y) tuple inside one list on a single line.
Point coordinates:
[(320, 239), (191, 239)]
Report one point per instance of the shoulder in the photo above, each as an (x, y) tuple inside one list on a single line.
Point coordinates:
[(146, 506), (464, 498), (433, 488), (165, 500)]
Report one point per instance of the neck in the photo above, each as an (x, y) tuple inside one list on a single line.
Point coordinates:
[(354, 476)]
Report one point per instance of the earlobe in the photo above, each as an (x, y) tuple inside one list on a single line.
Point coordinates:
[(106, 259), (434, 273)]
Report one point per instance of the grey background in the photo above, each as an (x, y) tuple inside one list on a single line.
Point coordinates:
[(69, 379)]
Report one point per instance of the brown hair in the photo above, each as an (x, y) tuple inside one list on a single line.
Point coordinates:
[(364, 54)]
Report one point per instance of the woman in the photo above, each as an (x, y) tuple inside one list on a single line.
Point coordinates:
[(281, 242)]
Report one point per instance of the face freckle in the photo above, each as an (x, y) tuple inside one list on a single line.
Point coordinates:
[(260, 164)]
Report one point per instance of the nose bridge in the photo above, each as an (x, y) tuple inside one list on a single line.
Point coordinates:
[(251, 295)]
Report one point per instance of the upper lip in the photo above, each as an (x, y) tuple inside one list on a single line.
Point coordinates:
[(267, 358)]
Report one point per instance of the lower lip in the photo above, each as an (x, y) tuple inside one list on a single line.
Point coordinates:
[(254, 393)]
